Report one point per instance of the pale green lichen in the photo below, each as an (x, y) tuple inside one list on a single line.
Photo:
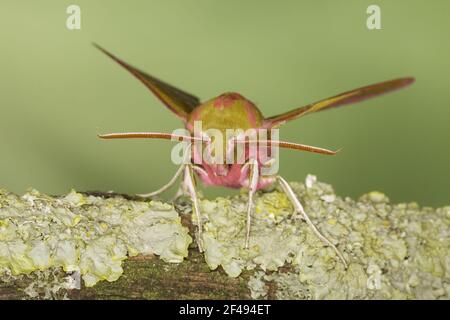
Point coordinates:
[(257, 285), (394, 251), (51, 284), (85, 234)]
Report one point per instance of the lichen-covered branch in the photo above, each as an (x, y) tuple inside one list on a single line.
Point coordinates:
[(65, 247)]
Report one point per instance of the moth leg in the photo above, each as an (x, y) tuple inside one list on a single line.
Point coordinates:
[(299, 209), (166, 186), (181, 191), (253, 183), (174, 178), (190, 185)]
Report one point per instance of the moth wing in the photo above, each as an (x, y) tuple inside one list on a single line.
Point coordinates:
[(345, 98), (179, 102)]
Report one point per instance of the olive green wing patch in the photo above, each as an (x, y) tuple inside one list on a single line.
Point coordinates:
[(179, 102), (345, 98)]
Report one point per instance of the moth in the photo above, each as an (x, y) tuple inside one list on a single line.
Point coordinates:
[(233, 111)]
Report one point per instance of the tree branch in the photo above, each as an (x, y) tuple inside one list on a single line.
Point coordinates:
[(109, 246)]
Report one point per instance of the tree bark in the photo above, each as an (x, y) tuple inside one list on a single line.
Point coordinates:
[(394, 251), (148, 277)]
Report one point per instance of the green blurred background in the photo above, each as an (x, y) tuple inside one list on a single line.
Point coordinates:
[(57, 92)]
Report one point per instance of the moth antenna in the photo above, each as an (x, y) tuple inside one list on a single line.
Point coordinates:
[(294, 146), (148, 135)]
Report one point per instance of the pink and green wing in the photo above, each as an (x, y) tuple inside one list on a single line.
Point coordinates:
[(345, 98), (179, 102)]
